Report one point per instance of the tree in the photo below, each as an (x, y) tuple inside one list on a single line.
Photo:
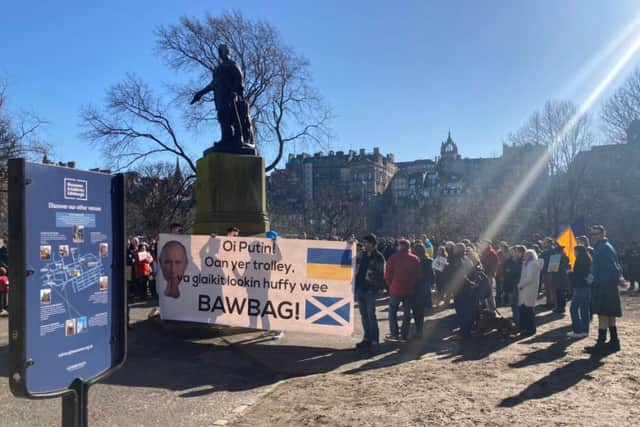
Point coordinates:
[(339, 212), (157, 195), (621, 109), (445, 218), (19, 137), (551, 126), (136, 123), (18, 133)]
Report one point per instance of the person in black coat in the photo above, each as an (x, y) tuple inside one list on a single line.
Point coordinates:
[(422, 297), (4, 256), (632, 260), (560, 280), (581, 299), (461, 284)]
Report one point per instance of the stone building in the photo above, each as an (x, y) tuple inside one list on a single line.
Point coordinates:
[(610, 186), (456, 195), (338, 193), (328, 193)]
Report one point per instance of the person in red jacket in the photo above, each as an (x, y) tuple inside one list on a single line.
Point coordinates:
[(143, 261), (489, 261), (402, 273), (4, 290)]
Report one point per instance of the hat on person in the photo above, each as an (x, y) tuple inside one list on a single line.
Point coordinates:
[(371, 238)]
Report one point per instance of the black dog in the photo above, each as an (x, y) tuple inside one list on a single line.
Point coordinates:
[(489, 322)]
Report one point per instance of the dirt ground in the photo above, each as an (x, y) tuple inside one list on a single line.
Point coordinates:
[(176, 377), (491, 381)]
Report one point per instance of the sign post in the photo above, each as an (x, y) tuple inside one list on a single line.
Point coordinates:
[(67, 257), (75, 411)]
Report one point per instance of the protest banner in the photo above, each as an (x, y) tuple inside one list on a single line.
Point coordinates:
[(283, 284), (554, 263)]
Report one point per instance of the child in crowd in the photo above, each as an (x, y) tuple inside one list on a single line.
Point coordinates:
[(143, 263), (4, 291)]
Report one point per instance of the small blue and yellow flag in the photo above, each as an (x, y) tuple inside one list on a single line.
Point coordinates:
[(567, 239), (331, 264)]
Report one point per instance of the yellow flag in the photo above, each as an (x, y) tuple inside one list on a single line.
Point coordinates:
[(567, 240)]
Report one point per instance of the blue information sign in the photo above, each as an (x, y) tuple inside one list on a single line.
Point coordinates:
[(68, 234)]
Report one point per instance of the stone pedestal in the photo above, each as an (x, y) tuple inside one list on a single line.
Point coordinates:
[(231, 192)]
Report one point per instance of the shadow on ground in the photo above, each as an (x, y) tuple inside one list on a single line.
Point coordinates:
[(191, 359), (437, 340), (198, 360), (557, 350), (556, 381)]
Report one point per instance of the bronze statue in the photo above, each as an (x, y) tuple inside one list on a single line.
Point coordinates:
[(233, 110)]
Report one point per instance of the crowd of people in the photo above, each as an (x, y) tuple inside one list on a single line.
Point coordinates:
[(478, 279), (142, 265), (140, 268)]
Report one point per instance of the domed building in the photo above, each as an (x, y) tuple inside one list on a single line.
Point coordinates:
[(390, 197)]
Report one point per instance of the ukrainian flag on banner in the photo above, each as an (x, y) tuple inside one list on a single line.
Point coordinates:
[(332, 264), (567, 239)]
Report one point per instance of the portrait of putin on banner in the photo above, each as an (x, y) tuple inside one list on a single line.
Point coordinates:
[(173, 263)]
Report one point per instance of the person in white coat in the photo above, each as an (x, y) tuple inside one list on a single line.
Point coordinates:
[(528, 291)]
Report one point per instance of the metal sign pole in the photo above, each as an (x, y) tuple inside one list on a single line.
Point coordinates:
[(75, 406)]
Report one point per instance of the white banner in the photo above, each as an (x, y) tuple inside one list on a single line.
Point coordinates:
[(283, 284)]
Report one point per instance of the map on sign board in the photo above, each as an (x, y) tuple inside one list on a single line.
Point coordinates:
[(72, 274)]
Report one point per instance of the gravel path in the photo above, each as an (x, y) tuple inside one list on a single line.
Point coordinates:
[(170, 379), (193, 377), (538, 381)]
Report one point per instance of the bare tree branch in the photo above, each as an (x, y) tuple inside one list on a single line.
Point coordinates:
[(19, 137), (157, 195), (134, 123), (621, 109), (547, 127)]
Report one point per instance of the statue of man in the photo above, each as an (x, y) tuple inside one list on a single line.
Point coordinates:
[(232, 109)]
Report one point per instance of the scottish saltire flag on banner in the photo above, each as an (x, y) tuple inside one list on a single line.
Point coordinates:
[(567, 239), (330, 264), (322, 310)]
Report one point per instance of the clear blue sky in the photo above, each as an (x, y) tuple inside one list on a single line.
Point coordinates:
[(398, 74)]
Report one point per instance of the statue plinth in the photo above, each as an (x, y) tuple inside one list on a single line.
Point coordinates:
[(230, 148), (230, 192)]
